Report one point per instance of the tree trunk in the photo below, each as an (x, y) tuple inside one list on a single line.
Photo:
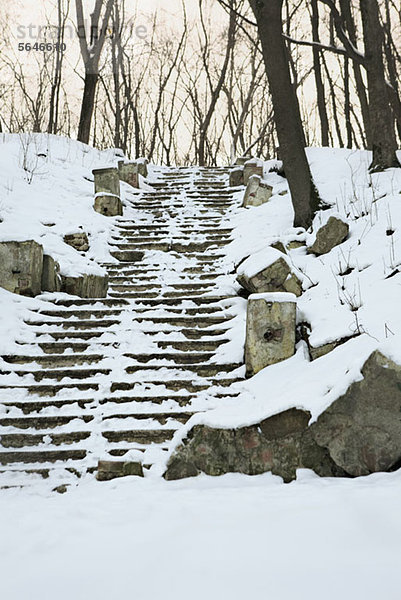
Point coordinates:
[(87, 107), (317, 69), (305, 199), (346, 11), (384, 143)]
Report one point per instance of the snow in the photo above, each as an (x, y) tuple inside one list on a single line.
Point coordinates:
[(274, 297), (260, 261), (228, 537), (232, 536), (47, 192)]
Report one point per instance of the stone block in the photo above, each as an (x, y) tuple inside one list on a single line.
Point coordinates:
[(236, 177), (252, 167), (51, 278), (257, 192), (128, 172), (330, 235), (108, 205), (270, 330), (21, 265), (362, 429), (280, 444), (107, 181), (142, 164), (241, 160), (268, 271), (79, 241), (86, 286), (108, 469)]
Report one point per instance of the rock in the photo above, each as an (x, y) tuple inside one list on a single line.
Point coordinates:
[(295, 244), (330, 235), (51, 279), (270, 330), (293, 285), (108, 469), (128, 172), (241, 160), (362, 429), (142, 165), (257, 192), (236, 177), (86, 286), (79, 241), (280, 444), (267, 271), (318, 351), (108, 205), (107, 181), (252, 167), (21, 265)]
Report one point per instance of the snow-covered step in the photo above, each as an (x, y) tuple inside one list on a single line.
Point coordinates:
[(87, 388)]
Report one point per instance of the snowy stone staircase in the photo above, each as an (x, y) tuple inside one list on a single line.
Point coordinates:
[(117, 377)]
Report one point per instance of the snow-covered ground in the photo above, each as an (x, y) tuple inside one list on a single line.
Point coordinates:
[(232, 537)]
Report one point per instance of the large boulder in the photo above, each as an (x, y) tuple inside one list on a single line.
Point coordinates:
[(241, 160), (21, 265), (270, 330), (86, 286), (329, 235), (268, 271), (257, 192), (362, 429), (280, 444)]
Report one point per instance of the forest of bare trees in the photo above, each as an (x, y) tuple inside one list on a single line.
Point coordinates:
[(223, 78)]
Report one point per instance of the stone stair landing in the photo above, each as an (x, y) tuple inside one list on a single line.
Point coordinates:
[(117, 377)]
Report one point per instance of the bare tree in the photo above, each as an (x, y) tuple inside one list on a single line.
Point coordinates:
[(91, 51), (305, 198)]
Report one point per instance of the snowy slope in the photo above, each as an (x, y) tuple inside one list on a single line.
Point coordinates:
[(355, 290)]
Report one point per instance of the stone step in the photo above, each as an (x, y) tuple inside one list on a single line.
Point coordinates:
[(159, 288), (185, 358), (78, 324), (54, 360), (169, 246), (41, 456), (194, 346), (71, 335), (106, 302), (176, 384), (207, 370), (128, 255), (201, 322), (187, 229), (140, 436), (52, 389), (60, 374), (162, 418), (159, 399), (30, 406), (26, 440), (42, 422), (60, 348), (82, 314)]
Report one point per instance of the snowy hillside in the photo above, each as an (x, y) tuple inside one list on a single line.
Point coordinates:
[(352, 292)]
